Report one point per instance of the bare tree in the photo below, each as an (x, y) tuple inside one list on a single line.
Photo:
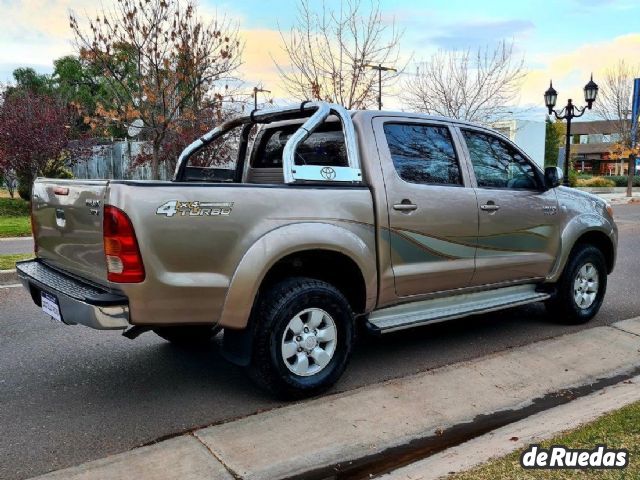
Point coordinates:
[(329, 51), (160, 61), (614, 97), (476, 85)]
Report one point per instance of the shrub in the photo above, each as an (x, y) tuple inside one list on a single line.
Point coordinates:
[(13, 207), (51, 170), (621, 180), (573, 179), (595, 182)]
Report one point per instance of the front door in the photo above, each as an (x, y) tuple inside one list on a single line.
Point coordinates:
[(433, 213), (518, 235)]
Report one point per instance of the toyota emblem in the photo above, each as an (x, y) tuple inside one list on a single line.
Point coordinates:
[(328, 173)]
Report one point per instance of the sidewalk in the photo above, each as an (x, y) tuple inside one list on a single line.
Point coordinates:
[(621, 198), (372, 424)]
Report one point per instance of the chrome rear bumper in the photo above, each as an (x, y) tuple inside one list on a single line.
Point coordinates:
[(81, 303)]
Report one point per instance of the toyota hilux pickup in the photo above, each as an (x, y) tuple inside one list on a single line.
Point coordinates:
[(292, 228)]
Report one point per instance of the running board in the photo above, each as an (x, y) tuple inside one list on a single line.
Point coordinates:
[(415, 314)]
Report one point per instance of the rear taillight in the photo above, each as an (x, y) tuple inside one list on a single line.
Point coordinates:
[(124, 263)]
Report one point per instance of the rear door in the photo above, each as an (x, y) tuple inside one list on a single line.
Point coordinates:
[(518, 235), (433, 213)]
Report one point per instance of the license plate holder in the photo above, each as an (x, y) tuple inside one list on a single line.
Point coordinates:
[(50, 305)]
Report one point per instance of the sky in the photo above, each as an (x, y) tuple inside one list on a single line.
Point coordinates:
[(563, 40)]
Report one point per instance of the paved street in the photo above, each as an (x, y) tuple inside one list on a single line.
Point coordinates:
[(70, 394), (16, 245)]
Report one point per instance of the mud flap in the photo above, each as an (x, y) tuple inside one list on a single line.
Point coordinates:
[(237, 346)]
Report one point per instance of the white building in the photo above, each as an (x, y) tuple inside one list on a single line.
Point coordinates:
[(527, 134)]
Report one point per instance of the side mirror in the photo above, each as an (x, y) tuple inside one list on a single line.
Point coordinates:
[(553, 177)]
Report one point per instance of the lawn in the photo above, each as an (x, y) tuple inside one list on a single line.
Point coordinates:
[(14, 216), (8, 262), (619, 429)]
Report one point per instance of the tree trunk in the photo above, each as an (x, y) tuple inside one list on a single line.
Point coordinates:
[(155, 162), (631, 173)]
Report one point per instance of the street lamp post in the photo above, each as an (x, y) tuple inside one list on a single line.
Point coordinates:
[(255, 95), (380, 69), (568, 113)]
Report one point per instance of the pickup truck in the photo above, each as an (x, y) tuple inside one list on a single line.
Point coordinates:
[(292, 229)]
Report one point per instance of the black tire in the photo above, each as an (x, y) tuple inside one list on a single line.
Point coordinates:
[(188, 335), (275, 309), (563, 305)]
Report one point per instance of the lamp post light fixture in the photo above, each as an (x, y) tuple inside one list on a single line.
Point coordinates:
[(568, 113)]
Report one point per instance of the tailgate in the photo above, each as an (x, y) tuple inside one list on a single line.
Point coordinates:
[(67, 216)]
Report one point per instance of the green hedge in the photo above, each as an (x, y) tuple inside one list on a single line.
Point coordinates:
[(14, 207), (621, 180)]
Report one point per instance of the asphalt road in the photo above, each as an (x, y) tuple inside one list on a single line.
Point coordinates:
[(71, 394), (16, 245)]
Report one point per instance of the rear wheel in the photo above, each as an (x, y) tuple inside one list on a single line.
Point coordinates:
[(581, 289), (303, 338), (188, 334)]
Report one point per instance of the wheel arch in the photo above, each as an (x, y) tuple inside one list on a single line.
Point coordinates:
[(602, 242), (601, 235), (290, 249), (317, 247)]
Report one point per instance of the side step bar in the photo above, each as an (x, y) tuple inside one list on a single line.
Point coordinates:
[(436, 310)]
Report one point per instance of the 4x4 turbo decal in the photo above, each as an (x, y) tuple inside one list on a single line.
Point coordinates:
[(194, 209)]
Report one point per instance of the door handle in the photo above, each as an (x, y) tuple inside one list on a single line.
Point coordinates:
[(405, 206), (490, 207)]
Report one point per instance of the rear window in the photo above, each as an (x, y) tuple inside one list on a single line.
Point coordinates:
[(325, 146)]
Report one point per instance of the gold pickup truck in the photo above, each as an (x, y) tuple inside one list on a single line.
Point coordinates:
[(288, 228)]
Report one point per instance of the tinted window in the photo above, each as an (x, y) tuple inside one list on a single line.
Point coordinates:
[(497, 164), (423, 154), (325, 146)]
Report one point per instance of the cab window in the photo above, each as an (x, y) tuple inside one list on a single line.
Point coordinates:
[(423, 153), (325, 146), (497, 164)]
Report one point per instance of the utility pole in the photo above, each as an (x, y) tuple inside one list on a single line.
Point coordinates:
[(380, 69), (635, 110), (255, 95)]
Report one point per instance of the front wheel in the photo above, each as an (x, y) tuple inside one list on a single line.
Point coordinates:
[(581, 289), (303, 338)]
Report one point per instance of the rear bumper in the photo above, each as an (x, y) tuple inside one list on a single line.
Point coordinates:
[(81, 303)]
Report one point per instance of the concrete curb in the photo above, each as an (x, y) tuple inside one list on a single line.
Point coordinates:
[(364, 423), (8, 276), (531, 430), (13, 239)]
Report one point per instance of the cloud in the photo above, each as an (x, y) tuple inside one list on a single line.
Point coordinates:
[(480, 32), (570, 70), (262, 47)]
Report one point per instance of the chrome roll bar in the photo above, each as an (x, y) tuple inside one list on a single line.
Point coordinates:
[(292, 172)]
